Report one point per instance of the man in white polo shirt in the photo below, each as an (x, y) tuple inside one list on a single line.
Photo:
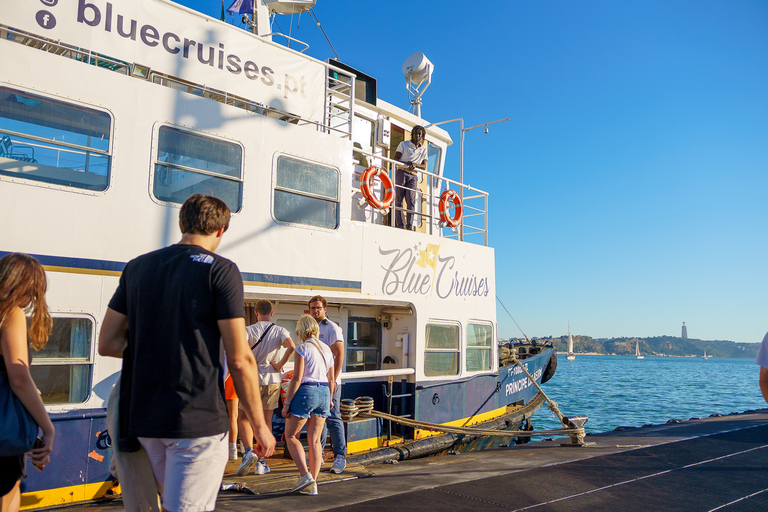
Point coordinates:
[(331, 335)]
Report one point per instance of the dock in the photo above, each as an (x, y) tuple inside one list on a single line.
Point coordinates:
[(718, 463)]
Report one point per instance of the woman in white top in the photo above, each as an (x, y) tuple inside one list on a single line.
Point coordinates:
[(308, 401)]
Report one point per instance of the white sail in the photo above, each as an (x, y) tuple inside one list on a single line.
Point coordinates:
[(637, 350), (570, 356)]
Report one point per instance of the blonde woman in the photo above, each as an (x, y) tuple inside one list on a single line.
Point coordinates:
[(22, 292), (308, 401)]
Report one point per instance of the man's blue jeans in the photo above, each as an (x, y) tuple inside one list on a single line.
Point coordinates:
[(336, 427)]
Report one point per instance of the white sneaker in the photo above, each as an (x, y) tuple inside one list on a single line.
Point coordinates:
[(261, 467), (310, 490), (232, 451), (248, 461), (339, 464), (304, 481)]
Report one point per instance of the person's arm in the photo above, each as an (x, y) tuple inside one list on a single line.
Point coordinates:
[(293, 387), (288, 344), (338, 358), (764, 382), (13, 342), (113, 334), (245, 377), (422, 165), (331, 384)]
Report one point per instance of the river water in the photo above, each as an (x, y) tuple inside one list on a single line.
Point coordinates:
[(624, 391)]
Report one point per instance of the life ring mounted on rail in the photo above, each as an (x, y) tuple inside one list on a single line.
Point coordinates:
[(450, 196), (366, 188)]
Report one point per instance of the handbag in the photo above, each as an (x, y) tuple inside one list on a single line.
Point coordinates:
[(18, 430)]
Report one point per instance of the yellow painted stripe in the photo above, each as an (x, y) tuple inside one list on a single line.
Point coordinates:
[(301, 286), (464, 422), (74, 270), (67, 495), (372, 443)]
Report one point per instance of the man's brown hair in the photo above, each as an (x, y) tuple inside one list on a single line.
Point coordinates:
[(203, 215), (318, 298), (263, 307)]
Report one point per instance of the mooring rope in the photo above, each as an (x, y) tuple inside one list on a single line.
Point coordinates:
[(363, 407)]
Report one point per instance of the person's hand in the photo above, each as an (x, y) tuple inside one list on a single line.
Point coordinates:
[(285, 414), (266, 442), (276, 367), (40, 455)]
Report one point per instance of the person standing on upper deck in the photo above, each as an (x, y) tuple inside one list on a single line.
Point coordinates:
[(413, 154), (331, 335), (173, 311), (762, 360)]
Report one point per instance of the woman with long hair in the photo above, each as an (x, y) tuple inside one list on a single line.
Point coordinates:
[(22, 293), (308, 401)]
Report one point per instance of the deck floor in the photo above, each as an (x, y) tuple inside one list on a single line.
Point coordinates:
[(714, 464)]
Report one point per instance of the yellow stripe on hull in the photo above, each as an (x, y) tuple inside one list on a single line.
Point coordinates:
[(464, 422), (68, 495)]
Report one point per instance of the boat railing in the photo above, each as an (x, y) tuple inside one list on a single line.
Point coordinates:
[(376, 374), (339, 84), (474, 222)]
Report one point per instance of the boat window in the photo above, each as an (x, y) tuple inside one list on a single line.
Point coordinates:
[(306, 193), (363, 345), (53, 142), (192, 163), (479, 346), (62, 369), (434, 154), (441, 356)]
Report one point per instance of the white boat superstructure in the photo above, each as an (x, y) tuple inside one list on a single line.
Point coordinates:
[(113, 113)]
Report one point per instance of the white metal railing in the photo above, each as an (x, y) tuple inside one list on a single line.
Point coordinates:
[(475, 202), (395, 372)]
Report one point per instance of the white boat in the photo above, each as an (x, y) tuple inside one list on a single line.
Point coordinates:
[(705, 356), (638, 355), (113, 113), (571, 356)]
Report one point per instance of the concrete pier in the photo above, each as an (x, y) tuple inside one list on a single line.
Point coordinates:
[(711, 464)]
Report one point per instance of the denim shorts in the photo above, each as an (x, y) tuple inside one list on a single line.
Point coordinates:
[(311, 400)]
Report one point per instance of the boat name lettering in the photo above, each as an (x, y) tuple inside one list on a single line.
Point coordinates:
[(212, 54), (403, 274), (519, 385)]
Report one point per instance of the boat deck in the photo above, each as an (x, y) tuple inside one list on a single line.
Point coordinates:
[(718, 463)]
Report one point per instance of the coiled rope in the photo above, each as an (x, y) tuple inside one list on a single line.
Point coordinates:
[(363, 407)]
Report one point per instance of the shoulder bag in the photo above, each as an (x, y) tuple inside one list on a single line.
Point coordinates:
[(18, 429)]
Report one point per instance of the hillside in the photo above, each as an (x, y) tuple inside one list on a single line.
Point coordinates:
[(656, 346)]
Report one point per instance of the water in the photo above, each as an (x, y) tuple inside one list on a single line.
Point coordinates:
[(624, 391)]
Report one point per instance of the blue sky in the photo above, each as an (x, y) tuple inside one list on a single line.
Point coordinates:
[(630, 187)]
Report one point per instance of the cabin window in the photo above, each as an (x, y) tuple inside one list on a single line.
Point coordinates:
[(479, 347), (363, 345), (441, 356), (53, 142), (434, 154), (62, 369), (306, 193), (192, 163)]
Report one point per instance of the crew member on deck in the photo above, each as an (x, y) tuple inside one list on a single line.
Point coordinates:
[(413, 154)]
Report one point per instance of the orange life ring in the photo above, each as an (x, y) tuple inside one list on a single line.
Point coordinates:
[(445, 198), (366, 182)]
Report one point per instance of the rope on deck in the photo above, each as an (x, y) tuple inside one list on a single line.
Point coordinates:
[(363, 406)]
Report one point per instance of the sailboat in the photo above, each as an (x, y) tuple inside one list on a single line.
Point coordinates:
[(570, 356), (705, 356), (637, 350)]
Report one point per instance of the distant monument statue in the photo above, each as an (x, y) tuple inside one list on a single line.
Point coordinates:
[(685, 332)]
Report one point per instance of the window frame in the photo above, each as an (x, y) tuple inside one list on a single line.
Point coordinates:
[(155, 162), (457, 351), (88, 361), (276, 188), (489, 348), (65, 146)]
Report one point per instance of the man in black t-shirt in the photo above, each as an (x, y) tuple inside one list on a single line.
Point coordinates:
[(167, 319)]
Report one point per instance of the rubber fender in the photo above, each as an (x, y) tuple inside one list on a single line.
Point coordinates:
[(551, 368)]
